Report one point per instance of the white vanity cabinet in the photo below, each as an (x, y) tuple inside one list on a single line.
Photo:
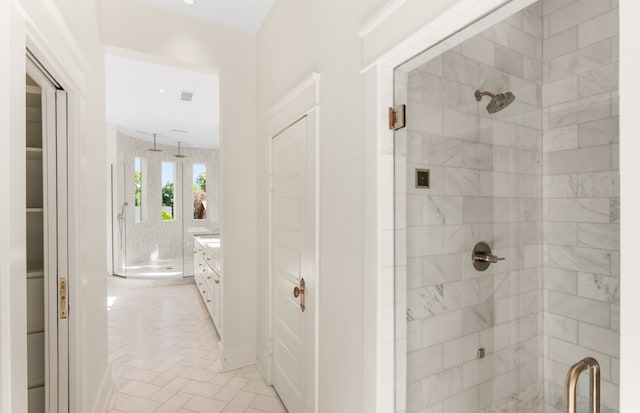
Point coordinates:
[(208, 276)]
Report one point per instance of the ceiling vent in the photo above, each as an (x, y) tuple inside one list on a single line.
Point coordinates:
[(178, 131), (186, 96)]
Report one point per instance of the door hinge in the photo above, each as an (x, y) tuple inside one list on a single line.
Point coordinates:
[(397, 117), (63, 298), (270, 182), (270, 347)]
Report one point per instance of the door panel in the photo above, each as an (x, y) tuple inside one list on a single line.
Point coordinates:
[(291, 249)]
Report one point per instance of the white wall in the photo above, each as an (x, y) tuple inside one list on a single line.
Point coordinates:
[(64, 34), (630, 205), (157, 35), (300, 37)]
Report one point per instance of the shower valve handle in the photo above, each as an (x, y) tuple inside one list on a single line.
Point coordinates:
[(487, 258), (482, 258)]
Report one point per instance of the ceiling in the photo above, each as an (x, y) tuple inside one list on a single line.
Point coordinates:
[(246, 15), (143, 98)]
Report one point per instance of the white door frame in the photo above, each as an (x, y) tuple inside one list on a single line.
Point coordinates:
[(303, 100), (67, 66), (466, 18)]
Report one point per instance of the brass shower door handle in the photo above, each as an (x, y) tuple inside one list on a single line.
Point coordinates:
[(299, 292)]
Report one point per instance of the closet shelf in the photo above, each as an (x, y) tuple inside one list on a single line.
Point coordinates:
[(35, 210)]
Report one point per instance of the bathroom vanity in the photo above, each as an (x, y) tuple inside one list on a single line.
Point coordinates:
[(208, 275)]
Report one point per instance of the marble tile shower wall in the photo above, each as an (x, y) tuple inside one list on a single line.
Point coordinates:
[(153, 237), (486, 185), (581, 194)]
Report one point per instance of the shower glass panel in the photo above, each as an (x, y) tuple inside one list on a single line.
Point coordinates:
[(511, 140), (118, 219), (147, 245)]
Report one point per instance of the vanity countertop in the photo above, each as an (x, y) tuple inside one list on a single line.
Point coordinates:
[(211, 245)]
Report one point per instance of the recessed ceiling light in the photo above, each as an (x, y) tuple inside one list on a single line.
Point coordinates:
[(189, 2), (162, 91), (160, 115)]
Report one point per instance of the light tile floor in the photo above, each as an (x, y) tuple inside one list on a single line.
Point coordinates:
[(163, 350)]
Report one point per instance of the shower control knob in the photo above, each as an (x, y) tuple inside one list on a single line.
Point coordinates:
[(481, 256)]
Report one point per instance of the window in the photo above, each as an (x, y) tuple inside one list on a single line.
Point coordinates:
[(168, 190), (199, 191), (137, 168)]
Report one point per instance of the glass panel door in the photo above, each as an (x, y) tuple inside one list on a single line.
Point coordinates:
[(118, 219)]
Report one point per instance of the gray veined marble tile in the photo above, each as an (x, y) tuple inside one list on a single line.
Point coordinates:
[(433, 66), (580, 259), (600, 80), (599, 287), (441, 328), (599, 132), (560, 186), (441, 386), (455, 181), (561, 233), (600, 339), (461, 294), (478, 318), (602, 236), (441, 269), (480, 49), (560, 139), (442, 210), (442, 151), (477, 156), (425, 302), (461, 69), (600, 28), (576, 13), (580, 110), (561, 280), (578, 308), (509, 61), (596, 158), (424, 363), (594, 210), (560, 44), (560, 91), (424, 118), (614, 210), (561, 327)]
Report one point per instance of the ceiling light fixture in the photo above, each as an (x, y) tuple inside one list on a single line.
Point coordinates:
[(162, 91), (189, 2), (179, 155), (155, 148)]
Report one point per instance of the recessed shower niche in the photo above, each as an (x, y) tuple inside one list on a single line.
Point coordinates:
[(518, 126)]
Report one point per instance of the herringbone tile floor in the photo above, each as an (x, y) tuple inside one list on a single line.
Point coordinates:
[(163, 350)]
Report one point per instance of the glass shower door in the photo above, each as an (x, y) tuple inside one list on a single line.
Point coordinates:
[(118, 219)]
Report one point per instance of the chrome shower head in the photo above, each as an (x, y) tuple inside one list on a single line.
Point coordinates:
[(498, 102)]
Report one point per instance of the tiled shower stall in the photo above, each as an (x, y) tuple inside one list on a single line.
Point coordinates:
[(539, 182)]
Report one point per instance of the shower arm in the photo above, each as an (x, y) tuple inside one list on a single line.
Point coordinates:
[(479, 95)]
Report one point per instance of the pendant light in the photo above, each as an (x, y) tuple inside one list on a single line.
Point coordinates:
[(179, 155), (155, 148)]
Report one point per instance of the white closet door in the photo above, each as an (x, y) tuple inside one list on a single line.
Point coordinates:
[(53, 343), (62, 244)]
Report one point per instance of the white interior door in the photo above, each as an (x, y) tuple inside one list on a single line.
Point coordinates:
[(292, 260)]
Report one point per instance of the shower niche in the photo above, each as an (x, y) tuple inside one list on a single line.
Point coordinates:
[(518, 128)]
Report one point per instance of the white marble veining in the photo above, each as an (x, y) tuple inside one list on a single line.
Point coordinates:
[(538, 181)]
